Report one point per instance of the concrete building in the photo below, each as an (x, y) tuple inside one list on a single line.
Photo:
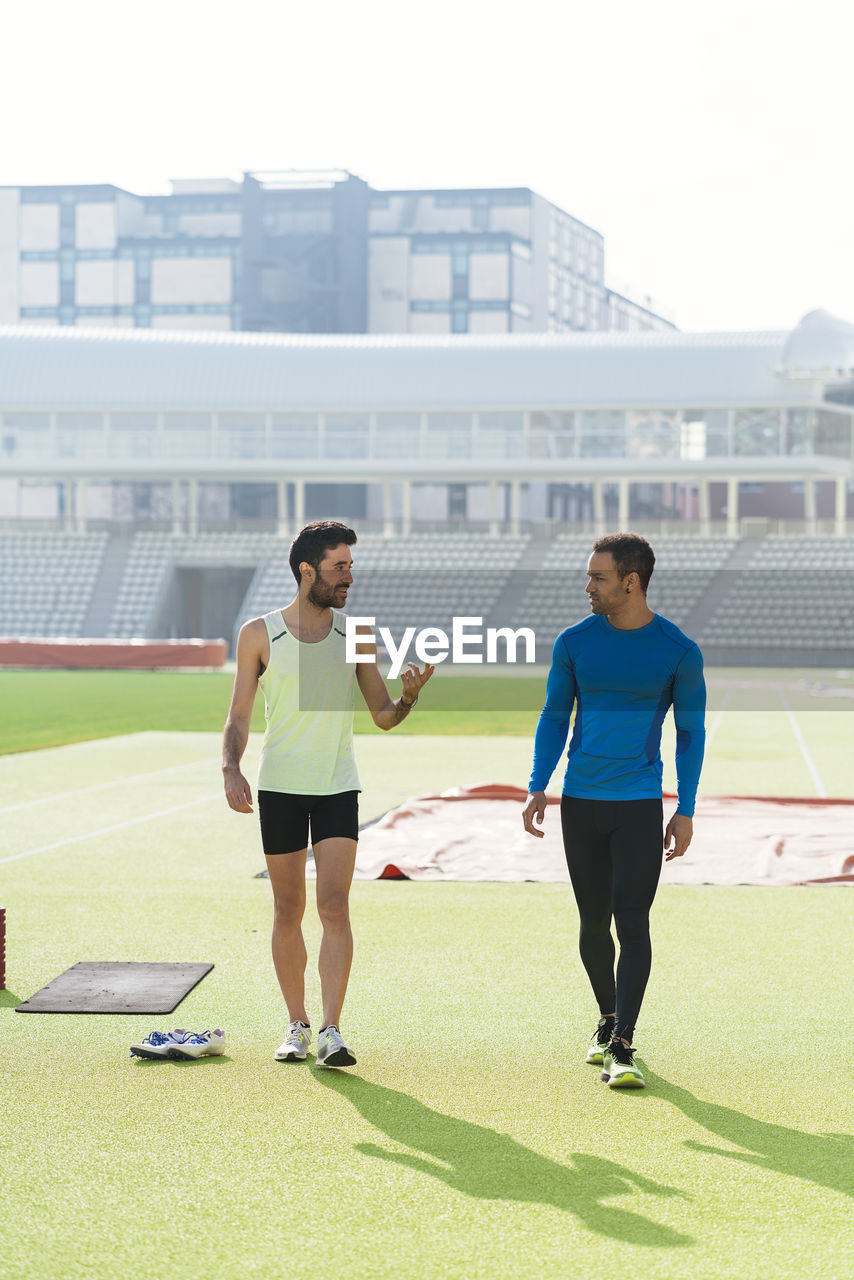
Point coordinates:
[(305, 253), (200, 431)]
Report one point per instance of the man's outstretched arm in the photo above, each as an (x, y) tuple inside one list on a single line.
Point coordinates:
[(386, 712)]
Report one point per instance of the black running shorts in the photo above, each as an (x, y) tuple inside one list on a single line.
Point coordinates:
[(286, 819)]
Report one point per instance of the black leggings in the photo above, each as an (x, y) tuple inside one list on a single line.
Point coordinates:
[(613, 852)]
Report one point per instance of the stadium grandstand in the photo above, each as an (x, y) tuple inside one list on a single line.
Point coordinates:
[(150, 480)]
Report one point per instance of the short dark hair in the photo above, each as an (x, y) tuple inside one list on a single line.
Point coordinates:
[(314, 540), (631, 554)]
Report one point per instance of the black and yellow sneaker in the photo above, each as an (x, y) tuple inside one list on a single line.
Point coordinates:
[(619, 1069), (600, 1041)]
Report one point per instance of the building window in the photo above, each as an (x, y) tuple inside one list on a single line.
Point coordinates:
[(346, 435), (654, 434), (833, 434), (799, 434), (603, 435), (397, 435), (692, 445), (295, 435), (449, 435), (756, 433), (457, 501)]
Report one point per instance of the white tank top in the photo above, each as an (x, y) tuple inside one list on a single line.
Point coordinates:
[(308, 695)]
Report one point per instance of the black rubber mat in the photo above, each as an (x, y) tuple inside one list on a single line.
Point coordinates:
[(123, 986)]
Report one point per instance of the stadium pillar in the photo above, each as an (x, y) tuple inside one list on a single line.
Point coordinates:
[(493, 508), (515, 492), (299, 503), (194, 507), (176, 506), (281, 507), (705, 508), (598, 508), (809, 505), (80, 505), (68, 503), (732, 507), (388, 520), (840, 510), (623, 504), (407, 508)]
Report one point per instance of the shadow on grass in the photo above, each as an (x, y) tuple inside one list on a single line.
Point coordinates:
[(182, 1062), (8, 999), (492, 1166), (827, 1159)]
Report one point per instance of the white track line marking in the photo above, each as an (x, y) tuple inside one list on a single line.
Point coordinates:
[(716, 723), (805, 752), (118, 826), (102, 786)]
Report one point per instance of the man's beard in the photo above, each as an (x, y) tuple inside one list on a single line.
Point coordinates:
[(321, 595)]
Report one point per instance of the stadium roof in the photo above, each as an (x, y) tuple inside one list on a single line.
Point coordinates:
[(66, 367)]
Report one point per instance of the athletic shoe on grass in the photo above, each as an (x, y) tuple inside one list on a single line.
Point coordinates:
[(619, 1069), (331, 1049), (158, 1043), (599, 1042), (295, 1044), (205, 1045)]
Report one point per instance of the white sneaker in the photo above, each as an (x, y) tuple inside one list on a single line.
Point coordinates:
[(206, 1044), (295, 1044), (331, 1049), (158, 1043)]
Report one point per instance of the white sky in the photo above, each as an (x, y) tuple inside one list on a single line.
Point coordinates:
[(709, 143)]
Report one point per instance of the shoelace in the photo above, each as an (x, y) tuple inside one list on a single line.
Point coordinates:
[(622, 1053)]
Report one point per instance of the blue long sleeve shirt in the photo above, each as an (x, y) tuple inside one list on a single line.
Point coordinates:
[(622, 684)]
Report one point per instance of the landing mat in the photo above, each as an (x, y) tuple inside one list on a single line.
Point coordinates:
[(476, 833), (122, 986)]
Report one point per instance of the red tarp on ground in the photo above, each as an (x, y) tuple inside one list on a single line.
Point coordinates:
[(122, 654), (476, 833)]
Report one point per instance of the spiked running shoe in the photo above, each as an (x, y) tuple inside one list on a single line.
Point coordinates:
[(619, 1069), (158, 1043), (599, 1042), (331, 1049), (205, 1045), (295, 1044)]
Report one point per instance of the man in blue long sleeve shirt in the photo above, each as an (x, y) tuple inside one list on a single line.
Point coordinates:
[(622, 668)]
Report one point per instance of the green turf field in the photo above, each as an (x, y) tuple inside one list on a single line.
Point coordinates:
[(471, 1140), (49, 708)]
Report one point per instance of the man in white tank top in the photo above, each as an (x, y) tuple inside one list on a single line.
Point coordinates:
[(307, 778)]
